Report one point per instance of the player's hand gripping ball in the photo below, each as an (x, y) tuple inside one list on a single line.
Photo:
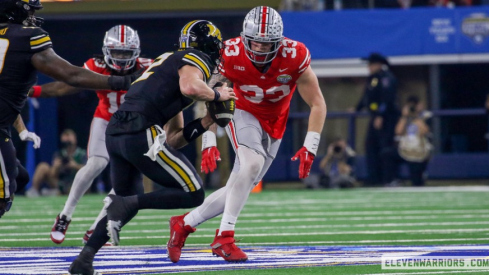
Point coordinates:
[(221, 112)]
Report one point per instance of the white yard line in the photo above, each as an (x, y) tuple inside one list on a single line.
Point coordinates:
[(257, 228)]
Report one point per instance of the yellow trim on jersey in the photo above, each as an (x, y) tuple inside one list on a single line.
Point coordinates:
[(40, 41), (201, 64), (173, 165)]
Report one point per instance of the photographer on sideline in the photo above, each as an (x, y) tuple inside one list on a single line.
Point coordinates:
[(66, 162), (413, 147), (337, 165)]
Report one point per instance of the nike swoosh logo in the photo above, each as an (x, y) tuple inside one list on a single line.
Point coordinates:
[(282, 70), (193, 132)]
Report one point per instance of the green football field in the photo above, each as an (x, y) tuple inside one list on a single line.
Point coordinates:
[(330, 219)]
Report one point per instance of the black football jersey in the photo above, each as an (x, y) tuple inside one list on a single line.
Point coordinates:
[(156, 93), (17, 75)]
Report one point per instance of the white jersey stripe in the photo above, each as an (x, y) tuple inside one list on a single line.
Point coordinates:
[(308, 56), (6, 180), (37, 37)]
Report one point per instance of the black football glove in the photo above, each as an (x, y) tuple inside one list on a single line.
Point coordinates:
[(5, 205), (123, 83)]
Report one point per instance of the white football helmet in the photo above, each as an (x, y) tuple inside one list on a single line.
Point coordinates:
[(262, 24), (121, 48)]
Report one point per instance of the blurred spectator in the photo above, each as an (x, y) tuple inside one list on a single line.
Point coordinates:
[(413, 148), (379, 99), (337, 165), (301, 5), (60, 175), (450, 3)]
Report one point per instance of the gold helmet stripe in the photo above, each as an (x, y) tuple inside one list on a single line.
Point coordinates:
[(183, 43)]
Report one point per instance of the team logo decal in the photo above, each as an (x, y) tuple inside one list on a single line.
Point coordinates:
[(476, 26), (284, 78)]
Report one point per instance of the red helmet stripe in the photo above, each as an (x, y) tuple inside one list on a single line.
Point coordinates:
[(264, 15), (123, 34)]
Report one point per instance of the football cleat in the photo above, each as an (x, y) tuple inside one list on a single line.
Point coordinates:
[(87, 236), (224, 246), (79, 267), (118, 214), (178, 234), (58, 231)]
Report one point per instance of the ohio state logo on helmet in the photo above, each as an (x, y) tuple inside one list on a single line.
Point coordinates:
[(264, 25), (121, 48)]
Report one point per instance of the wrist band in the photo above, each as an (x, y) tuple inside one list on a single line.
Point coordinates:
[(208, 140), (37, 91), (217, 95), (312, 142)]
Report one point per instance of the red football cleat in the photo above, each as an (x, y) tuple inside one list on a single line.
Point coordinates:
[(224, 246), (178, 234), (58, 231)]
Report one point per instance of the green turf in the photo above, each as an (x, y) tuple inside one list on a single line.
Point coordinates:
[(286, 217)]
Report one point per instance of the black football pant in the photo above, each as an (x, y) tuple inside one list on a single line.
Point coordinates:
[(378, 141), (172, 170), (391, 161), (13, 176)]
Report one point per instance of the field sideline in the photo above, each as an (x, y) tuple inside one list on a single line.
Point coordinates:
[(283, 232)]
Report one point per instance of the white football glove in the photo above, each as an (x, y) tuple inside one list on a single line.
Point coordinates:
[(30, 136)]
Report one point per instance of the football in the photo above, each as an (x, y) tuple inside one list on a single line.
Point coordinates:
[(221, 112)]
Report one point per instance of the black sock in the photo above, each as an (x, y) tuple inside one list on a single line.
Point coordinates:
[(99, 236)]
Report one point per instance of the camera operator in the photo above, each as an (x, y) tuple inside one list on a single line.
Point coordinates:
[(66, 162), (413, 147), (337, 165)]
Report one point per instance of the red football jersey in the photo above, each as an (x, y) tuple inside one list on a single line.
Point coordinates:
[(109, 101), (265, 95)]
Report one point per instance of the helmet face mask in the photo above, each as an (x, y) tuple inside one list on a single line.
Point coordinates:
[(121, 48), (22, 12), (204, 36), (262, 25)]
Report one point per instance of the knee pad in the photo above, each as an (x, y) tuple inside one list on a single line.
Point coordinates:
[(250, 162), (198, 197)]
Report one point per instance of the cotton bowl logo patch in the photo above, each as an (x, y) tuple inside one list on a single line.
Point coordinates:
[(284, 78), (476, 26)]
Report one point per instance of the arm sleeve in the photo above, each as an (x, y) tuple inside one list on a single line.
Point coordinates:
[(197, 59), (39, 40)]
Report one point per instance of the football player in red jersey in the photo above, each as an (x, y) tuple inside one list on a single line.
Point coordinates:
[(121, 49), (265, 69)]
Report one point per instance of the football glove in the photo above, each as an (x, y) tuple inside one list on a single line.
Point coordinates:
[(306, 159), (209, 157), (30, 136), (210, 154)]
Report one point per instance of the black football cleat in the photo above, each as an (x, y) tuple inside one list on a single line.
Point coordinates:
[(79, 267), (119, 212)]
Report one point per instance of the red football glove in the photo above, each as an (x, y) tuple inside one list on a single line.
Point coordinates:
[(209, 157), (306, 159)]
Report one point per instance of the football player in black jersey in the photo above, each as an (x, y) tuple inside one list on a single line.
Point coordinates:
[(143, 135), (24, 49)]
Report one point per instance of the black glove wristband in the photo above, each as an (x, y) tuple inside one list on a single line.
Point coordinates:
[(217, 95)]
